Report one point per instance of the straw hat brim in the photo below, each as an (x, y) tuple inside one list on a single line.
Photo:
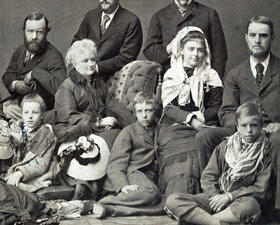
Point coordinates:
[(92, 171)]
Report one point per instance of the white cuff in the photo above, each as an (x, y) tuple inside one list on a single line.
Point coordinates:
[(13, 86), (189, 118)]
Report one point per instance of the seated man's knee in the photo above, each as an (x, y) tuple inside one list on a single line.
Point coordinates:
[(246, 209), (152, 193)]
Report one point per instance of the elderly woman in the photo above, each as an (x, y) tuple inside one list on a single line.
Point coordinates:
[(191, 96), (84, 105)]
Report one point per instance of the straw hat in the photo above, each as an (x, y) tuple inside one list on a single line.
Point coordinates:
[(91, 171)]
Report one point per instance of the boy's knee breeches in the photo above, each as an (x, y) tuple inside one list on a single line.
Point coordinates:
[(246, 209)]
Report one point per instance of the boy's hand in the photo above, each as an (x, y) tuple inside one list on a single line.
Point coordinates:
[(128, 188), (28, 78), (108, 122), (21, 87), (218, 202), (196, 124), (14, 178), (272, 128)]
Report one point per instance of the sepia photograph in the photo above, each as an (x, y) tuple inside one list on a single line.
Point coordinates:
[(140, 112)]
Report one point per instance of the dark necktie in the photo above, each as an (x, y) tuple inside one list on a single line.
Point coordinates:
[(259, 76), (105, 20)]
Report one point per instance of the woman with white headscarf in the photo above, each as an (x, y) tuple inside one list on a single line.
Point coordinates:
[(191, 97)]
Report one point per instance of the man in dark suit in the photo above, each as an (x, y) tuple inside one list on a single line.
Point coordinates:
[(166, 23), (36, 66), (117, 33), (255, 80)]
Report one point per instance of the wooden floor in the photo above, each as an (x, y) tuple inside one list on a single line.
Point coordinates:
[(136, 220)]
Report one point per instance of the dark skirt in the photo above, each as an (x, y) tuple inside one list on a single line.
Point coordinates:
[(179, 169)]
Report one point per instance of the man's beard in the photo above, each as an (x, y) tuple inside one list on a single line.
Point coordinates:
[(35, 46), (261, 55), (100, 5)]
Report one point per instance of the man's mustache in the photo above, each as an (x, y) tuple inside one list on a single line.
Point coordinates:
[(33, 42)]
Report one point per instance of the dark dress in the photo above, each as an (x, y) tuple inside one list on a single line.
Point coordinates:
[(78, 104), (179, 166)]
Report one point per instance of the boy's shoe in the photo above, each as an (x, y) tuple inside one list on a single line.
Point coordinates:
[(99, 211)]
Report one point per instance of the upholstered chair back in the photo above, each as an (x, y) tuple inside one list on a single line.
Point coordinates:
[(139, 75)]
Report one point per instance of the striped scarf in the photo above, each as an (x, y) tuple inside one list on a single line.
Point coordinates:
[(242, 162)]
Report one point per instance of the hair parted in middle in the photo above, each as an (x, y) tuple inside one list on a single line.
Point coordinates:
[(34, 97), (192, 35), (145, 97)]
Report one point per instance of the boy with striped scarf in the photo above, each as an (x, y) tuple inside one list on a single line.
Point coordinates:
[(235, 180)]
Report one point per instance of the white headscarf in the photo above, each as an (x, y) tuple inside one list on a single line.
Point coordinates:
[(176, 83)]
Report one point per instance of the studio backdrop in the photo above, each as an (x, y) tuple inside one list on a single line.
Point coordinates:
[(65, 17)]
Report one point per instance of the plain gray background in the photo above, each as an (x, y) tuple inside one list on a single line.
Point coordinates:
[(65, 17)]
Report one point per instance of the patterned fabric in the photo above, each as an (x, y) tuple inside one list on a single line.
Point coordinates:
[(139, 75), (178, 160), (105, 19), (259, 75), (242, 162)]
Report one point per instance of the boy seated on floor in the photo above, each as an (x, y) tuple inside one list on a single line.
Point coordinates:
[(33, 144), (235, 180), (131, 168)]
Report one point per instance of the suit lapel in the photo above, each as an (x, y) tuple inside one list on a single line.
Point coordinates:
[(97, 24), (145, 134), (21, 61), (177, 16), (188, 14), (271, 71), (31, 64), (117, 19), (248, 76)]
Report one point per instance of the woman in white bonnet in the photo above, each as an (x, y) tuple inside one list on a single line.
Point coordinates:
[(191, 97)]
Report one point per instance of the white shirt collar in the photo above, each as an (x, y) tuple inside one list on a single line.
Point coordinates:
[(27, 129), (29, 53), (182, 9), (253, 64), (111, 15)]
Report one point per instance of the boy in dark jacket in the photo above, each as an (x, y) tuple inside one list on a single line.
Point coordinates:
[(131, 166)]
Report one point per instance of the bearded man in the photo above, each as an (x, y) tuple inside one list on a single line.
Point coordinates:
[(36, 66), (117, 33)]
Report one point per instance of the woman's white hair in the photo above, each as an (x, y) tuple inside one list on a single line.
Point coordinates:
[(77, 48)]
